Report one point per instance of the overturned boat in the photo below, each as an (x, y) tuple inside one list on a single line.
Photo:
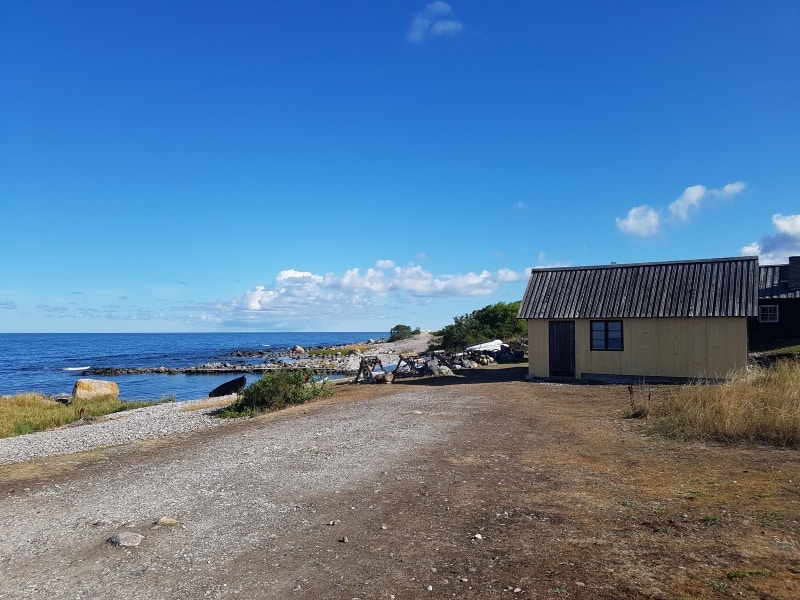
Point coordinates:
[(229, 387)]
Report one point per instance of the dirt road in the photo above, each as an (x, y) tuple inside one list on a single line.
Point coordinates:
[(474, 487)]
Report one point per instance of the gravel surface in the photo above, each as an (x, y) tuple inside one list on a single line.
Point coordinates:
[(152, 422), (112, 430), (260, 471), (481, 485)]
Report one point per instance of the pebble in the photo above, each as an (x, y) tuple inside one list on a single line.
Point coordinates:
[(125, 538), (130, 426)]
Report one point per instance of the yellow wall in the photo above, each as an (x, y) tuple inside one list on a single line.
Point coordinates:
[(697, 347), (538, 348)]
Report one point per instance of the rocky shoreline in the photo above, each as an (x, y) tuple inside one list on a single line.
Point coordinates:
[(342, 362), (156, 421)]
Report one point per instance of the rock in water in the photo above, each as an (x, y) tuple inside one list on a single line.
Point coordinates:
[(89, 388)]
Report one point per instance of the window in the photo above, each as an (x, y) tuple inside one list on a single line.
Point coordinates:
[(768, 313), (606, 335)]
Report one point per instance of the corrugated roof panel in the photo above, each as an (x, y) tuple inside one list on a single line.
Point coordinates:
[(774, 283), (726, 287)]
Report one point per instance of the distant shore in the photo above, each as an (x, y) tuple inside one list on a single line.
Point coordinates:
[(342, 364)]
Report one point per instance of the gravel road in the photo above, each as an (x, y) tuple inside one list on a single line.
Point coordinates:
[(227, 490), (481, 485)]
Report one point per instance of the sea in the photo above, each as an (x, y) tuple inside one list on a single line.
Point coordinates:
[(51, 363)]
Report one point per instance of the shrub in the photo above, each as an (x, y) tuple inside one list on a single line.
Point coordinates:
[(277, 390), (496, 321), (401, 332)]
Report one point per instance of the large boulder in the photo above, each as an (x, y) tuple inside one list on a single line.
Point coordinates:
[(89, 388)]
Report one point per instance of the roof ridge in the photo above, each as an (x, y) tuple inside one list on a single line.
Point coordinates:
[(614, 265)]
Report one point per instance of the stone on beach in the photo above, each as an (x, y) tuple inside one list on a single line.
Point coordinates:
[(125, 538), (89, 388)]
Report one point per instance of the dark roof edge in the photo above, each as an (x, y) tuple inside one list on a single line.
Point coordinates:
[(646, 264)]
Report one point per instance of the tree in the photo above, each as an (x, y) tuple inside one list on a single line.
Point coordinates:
[(496, 321), (401, 332)]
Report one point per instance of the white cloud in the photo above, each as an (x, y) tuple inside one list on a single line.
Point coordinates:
[(694, 195), (641, 220), (690, 199), (419, 282), (776, 248), (509, 276), (446, 28), (788, 224), (291, 275), (732, 189), (750, 250), (297, 294), (373, 281), (259, 297), (439, 8), (432, 21), (645, 220)]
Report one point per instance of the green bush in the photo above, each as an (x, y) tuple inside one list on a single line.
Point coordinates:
[(401, 332), (496, 321), (277, 390)]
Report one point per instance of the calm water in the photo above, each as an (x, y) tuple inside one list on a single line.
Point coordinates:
[(51, 363)]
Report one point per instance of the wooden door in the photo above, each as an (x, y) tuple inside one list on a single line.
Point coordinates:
[(562, 348)]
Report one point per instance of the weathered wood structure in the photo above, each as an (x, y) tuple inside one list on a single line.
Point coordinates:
[(778, 303), (648, 321), (407, 365), (371, 370)]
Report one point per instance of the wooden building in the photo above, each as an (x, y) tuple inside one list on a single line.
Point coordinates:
[(778, 316), (648, 321)]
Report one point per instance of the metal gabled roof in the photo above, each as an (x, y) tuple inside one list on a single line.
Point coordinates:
[(773, 282), (725, 287)]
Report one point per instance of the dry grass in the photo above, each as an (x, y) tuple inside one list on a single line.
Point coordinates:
[(208, 403), (27, 413), (342, 350), (762, 406)]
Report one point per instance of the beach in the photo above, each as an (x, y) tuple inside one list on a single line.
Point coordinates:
[(476, 485), (162, 419)]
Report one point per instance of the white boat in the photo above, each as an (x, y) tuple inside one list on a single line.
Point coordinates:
[(493, 346)]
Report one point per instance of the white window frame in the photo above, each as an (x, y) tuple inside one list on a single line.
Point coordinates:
[(768, 313)]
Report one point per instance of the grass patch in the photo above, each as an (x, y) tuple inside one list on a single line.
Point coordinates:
[(277, 390), (28, 413), (762, 406), (340, 350), (712, 519), (210, 403), (747, 574), (784, 347)]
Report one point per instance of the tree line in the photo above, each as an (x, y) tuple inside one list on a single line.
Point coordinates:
[(496, 321)]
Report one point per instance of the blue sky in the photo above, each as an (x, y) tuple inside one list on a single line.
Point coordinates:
[(350, 166)]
